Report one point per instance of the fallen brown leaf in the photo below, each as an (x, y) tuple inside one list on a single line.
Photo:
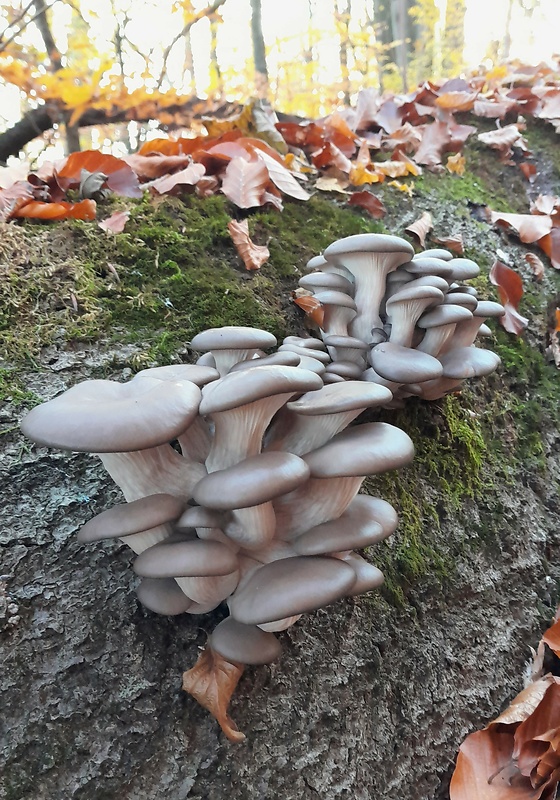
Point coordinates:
[(529, 227), (244, 182), (453, 243), (456, 164), (332, 185), (312, 308), (115, 223), (369, 202), (421, 227), (253, 255), (552, 636), (529, 170), (510, 290), (212, 682), (189, 176), (536, 265)]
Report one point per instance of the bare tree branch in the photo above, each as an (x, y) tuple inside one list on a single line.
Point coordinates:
[(4, 45), (205, 12)]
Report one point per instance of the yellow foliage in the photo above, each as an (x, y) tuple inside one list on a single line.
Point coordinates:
[(402, 187), (359, 176), (456, 164)]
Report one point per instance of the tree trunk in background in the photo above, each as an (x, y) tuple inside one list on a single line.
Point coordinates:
[(216, 81), (399, 26), (454, 37), (259, 50), (342, 18), (72, 132)]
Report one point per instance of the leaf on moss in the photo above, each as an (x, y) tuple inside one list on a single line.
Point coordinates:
[(115, 223), (421, 228), (550, 244), (120, 177), (529, 227), (252, 255), (282, 177), (453, 243), (212, 682), (456, 101), (510, 290), (441, 137), (244, 182), (369, 202), (156, 165), (333, 184), (189, 176), (56, 211), (456, 164)]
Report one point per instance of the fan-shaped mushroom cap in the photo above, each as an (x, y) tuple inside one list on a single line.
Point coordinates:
[(428, 280), (291, 586), (206, 360), (163, 596), (484, 330), (367, 243), (232, 343), (244, 644), (127, 519), (364, 506), (332, 377), (247, 386), (423, 265), (305, 352), (487, 309), (444, 315), (460, 287), (364, 450), (468, 301), (200, 517), (251, 482), (435, 252), (326, 281), (468, 362), (368, 577), (285, 359), (338, 534), (101, 416), (404, 365), (348, 370), (339, 398), (405, 307), (186, 559), (305, 341), (463, 269), (195, 373), (317, 262)]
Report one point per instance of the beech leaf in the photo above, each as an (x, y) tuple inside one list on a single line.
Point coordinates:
[(551, 637), (550, 244), (120, 177), (244, 182), (312, 308), (453, 243), (252, 255), (212, 682), (369, 202), (156, 165), (529, 227), (56, 211), (421, 227), (536, 265), (189, 176), (115, 223), (510, 290), (282, 177)]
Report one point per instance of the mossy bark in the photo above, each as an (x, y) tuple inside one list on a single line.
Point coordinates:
[(373, 695)]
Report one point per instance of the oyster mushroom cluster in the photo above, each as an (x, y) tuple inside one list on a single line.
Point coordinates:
[(241, 478), (407, 322)]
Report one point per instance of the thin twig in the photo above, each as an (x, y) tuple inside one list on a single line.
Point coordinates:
[(4, 45)]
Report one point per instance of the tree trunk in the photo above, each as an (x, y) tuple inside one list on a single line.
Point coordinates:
[(399, 24), (342, 15), (259, 50)]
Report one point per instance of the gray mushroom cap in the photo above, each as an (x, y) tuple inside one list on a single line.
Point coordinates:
[(368, 243), (317, 262), (364, 506), (444, 315), (403, 364), (423, 265), (233, 337), (182, 559), (468, 362), (283, 359), (251, 482), (435, 252), (323, 281), (291, 586), (195, 373), (463, 269), (368, 577), (163, 596), (487, 308), (244, 644), (363, 450), (338, 534), (348, 370), (305, 341), (345, 342), (461, 299), (305, 352), (341, 397), (101, 416), (247, 386), (127, 519), (200, 517)]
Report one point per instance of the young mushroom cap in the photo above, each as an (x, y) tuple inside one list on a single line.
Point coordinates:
[(194, 373), (404, 365), (200, 517), (183, 559), (468, 362), (348, 370), (423, 265), (101, 416), (468, 301), (364, 506), (244, 644), (463, 269), (305, 341), (363, 450), (163, 596), (127, 519), (276, 359), (323, 281), (305, 352), (232, 343), (368, 577), (338, 534), (253, 481), (340, 398), (435, 252), (291, 586)]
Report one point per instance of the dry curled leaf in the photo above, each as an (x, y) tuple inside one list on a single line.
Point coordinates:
[(56, 211), (252, 255), (501, 139), (369, 202), (244, 182), (312, 308), (555, 338), (552, 636), (453, 243), (120, 177), (421, 228), (189, 176), (536, 265), (529, 227), (456, 164), (115, 223), (332, 185), (281, 177), (510, 290), (212, 682)]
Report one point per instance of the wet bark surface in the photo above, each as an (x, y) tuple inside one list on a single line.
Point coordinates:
[(368, 700)]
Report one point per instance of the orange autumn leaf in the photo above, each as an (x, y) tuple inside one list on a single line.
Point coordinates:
[(550, 244), (453, 243), (212, 682), (421, 227), (392, 169), (456, 101), (280, 176), (156, 165), (252, 255), (189, 176), (120, 177), (529, 170), (552, 636), (369, 202), (510, 290), (84, 210), (312, 308), (359, 176), (529, 227)]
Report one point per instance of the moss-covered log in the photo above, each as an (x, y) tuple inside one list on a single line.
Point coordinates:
[(373, 695)]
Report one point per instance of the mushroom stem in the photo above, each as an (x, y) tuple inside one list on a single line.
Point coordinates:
[(209, 589), (299, 434), (158, 469), (317, 501), (252, 527), (196, 441)]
